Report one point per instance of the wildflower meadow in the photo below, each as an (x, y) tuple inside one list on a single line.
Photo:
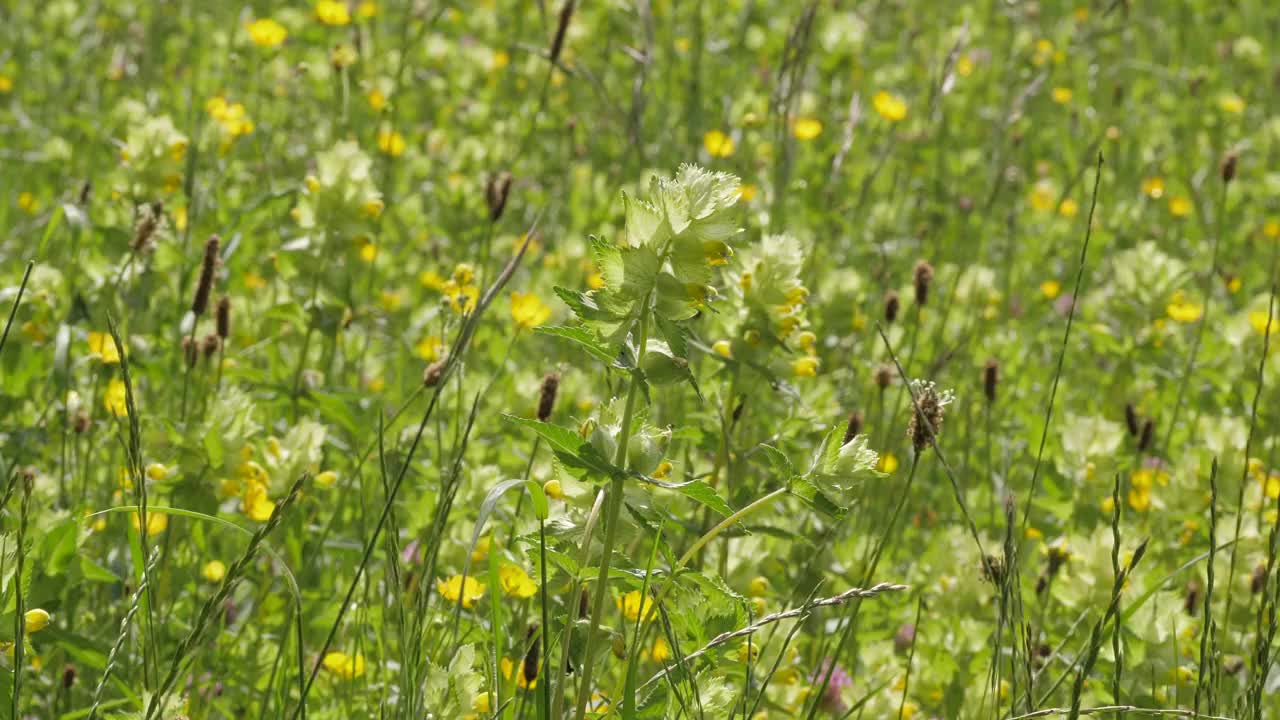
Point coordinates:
[(565, 359)]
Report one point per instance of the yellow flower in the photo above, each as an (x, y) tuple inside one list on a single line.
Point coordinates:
[(595, 280), (747, 192), (1153, 187), (722, 348), (515, 581), (368, 251), (661, 651), (265, 32), (1042, 196), (748, 651), (431, 280), (343, 665), (429, 348), (718, 144), (1259, 320), (366, 9), (327, 478), (1061, 95), (1050, 288), (157, 522), (964, 65), (804, 367), (553, 490), (455, 588), (806, 341), (528, 311), (663, 470), (1231, 103), (521, 681), (888, 463), (343, 56), (482, 702), (391, 142), (157, 472), (1271, 229), (376, 99), (1179, 206), (333, 12), (104, 346), (806, 128), (35, 620), (889, 106), (27, 202), (1068, 208), (214, 571), (256, 504), (6, 83), (115, 398), (758, 586), (1182, 310), (500, 59), (633, 604)]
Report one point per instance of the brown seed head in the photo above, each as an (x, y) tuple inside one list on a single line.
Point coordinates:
[(990, 379), (1229, 167), (922, 276), (891, 306), (1131, 420), (496, 192), (222, 313), (1144, 440), (884, 376), (854, 427), (207, 268), (547, 398)]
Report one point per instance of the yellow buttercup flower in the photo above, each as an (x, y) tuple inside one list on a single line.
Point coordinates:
[(265, 32), (747, 192), (214, 571), (327, 478), (27, 202), (115, 398), (888, 463), (1179, 206), (1068, 208), (347, 667), (1153, 187), (515, 581), (889, 106), (391, 142), (521, 681), (104, 346), (633, 604), (376, 99), (1231, 103), (528, 310), (660, 652), (454, 588), (1050, 288), (256, 503), (1042, 196), (429, 348), (1061, 95), (718, 144), (806, 128), (804, 367), (157, 522), (1258, 320), (1182, 310), (333, 12)]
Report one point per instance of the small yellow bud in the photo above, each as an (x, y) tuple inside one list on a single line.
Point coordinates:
[(327, 478), (36, 620), (759, 586), (214, 571), (157, 472), (553, 490)]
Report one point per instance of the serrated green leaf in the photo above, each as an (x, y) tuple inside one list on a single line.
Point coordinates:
[(583, 338), (568, 446)]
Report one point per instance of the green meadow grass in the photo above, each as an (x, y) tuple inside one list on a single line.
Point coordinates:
[(639, 359)]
